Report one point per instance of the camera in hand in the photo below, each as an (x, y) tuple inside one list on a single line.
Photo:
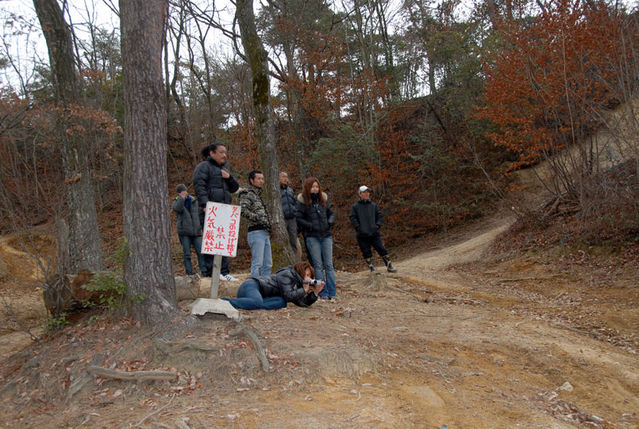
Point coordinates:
[(313, 283)]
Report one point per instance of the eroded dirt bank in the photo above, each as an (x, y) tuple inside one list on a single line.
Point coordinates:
[(451, 339)]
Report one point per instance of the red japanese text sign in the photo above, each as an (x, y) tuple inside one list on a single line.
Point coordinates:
[(221, 229)]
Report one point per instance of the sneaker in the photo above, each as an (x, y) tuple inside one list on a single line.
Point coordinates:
[(333, 298), (390, 268), (195, 277), (228, 278), (371, 267)]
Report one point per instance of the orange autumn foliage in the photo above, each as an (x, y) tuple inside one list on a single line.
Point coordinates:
[(243, 143), (555, 69), (397, 171), (320, 81), (31, 165)]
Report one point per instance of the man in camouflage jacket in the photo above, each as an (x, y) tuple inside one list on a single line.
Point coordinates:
[(259, 225)]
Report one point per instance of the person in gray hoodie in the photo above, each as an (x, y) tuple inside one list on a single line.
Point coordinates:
[(188, 227)]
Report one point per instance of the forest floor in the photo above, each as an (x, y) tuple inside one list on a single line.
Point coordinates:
[(461, 336)]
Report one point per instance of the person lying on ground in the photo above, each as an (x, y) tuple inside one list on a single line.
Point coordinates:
[(294, 283)]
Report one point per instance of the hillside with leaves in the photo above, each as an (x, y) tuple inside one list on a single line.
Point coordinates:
[(500, 140), (509, 86)]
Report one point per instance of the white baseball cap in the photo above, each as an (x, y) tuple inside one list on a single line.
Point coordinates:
[(363, 188)]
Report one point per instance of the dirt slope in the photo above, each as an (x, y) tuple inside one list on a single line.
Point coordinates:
[(451, 339)]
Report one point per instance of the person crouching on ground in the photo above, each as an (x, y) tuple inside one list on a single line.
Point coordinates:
[(366, 218), (290, 284)]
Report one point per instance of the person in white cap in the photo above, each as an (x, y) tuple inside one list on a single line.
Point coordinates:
[(366, 218)]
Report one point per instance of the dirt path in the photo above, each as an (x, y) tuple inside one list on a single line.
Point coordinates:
[(448, 340)]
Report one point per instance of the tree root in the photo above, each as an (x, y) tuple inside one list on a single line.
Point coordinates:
[(132, 375), (155, 412), (521, 279), (250, 333)]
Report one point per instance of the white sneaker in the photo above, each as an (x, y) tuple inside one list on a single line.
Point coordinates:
[(228, 278)]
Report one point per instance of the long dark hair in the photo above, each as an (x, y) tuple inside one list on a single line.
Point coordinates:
[(301, 268), (306, 191)]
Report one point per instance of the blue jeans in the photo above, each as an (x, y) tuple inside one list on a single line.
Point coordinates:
[(321, 250), (187, 242), (250, 298), (261, 257)]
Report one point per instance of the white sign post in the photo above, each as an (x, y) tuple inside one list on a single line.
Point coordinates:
[(219, 238)]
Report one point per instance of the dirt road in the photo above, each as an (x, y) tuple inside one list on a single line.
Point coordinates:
[(452, 340)]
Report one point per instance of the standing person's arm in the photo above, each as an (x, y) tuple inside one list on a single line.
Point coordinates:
[(200, 186), (178, 204), (330, 214), (231, 183), (249, 210), (294, 203), (301, 220), (354, 217), (379, 218)]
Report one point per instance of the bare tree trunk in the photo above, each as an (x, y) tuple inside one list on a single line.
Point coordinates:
[(258, 61), (297, 114), (147, 228), (82, 249)]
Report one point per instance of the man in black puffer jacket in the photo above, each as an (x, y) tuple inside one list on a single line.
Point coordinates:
[(289, 207), (213, 182), (366, 218)]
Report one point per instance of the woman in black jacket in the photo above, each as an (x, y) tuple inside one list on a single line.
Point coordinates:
[(290, 284), (315, 219)]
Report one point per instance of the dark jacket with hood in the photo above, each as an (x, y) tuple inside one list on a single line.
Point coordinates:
[(366, 218), (315, 220), (188, 216), (289, 203), (209, 185), (288, 284)]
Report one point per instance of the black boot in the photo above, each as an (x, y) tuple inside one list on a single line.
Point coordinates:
[(370, 264), (389, 265)]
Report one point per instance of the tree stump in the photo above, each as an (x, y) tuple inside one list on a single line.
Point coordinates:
[(187, 287), (375, 281)]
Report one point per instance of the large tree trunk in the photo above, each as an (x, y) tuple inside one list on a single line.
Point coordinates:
[(147, 228), (295, 111), (265, 122), (81, 248)]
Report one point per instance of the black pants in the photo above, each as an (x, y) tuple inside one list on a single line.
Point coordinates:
[(291, 228), (208, 266), (375, 241)]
